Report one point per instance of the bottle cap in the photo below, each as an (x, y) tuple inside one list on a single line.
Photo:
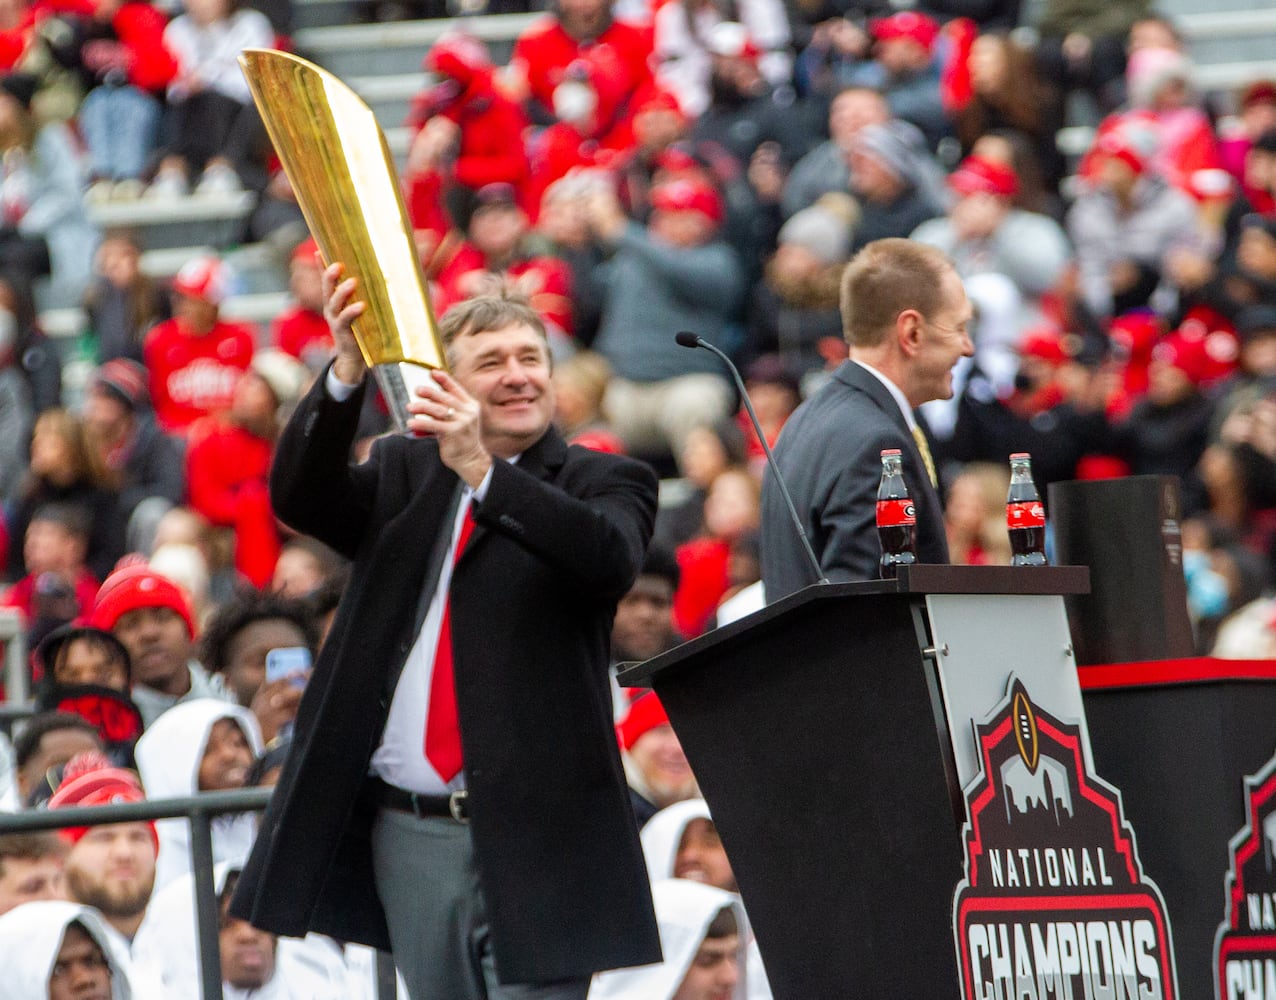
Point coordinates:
[(1017, 456), (890, 451)]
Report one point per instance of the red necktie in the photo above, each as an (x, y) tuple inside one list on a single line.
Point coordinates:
[(442, 727)]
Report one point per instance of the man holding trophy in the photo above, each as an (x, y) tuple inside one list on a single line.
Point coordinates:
[(454, 792)]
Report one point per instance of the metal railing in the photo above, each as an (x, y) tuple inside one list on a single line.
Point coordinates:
[(199, 810)]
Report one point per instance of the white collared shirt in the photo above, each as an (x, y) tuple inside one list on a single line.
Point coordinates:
[(900, 400)]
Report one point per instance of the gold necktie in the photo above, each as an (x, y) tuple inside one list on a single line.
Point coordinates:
[(924, 448)]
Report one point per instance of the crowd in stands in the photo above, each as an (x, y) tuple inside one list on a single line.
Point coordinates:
[(631, 171)]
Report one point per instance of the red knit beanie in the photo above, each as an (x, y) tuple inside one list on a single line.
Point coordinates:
[(137, 587), (645, 714)]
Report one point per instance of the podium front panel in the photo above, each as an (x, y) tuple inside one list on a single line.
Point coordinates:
[(814, 739), (980, 641)]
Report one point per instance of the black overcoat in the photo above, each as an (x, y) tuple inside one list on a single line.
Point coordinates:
[(558, 540)]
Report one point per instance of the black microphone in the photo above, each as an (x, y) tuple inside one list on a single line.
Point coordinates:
[(685, 338)]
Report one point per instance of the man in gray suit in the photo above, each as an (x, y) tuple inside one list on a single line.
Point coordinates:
[(905, 316)]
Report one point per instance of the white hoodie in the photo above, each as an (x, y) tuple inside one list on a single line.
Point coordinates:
[(661, 838), (312, 968), (684, 911), (168, 758), (31, 937)]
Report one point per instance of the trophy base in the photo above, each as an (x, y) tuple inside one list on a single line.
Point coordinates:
[(398, 381)]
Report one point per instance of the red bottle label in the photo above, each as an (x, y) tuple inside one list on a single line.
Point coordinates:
[(1025, 514), (896, 513)]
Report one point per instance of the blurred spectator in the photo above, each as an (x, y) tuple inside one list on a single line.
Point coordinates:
[(707, 452), (109, 867), (1083, 46), (468, 132), (826, 168), (775, 393), (675, 274), (893, 197), (208, 94), (562, 231), (704, 939), (204, 745), (1256, 378), (495, 257), (125, 67), (236, 642), (122, 303), (305, 565), (1237, 134), (300, 330), (746, 113), (795, 306), (1049, 413), (30, 868), (152, 617), (655, 766), (144, 461), (58, 586), (196, 359), (983, 232), (580, 140), (44, 229), (187, 566), (643, 626), (228, 460), (47, 741), (897, 57), (615, 51), (682, 841), (182, 528), (1125, 225), (580, 384), (975, 516), (66, 469), (687, 38), (1007, 93), (87, 673), (1037, 192), (1166, 432), (731, 510), (59, 949), (17, 410)]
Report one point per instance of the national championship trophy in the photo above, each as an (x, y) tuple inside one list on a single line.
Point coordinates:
[(340, 168)]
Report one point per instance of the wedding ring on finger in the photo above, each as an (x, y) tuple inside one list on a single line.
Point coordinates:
[(451, 412)]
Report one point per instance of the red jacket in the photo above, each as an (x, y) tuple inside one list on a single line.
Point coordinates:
[(546, 282), (193, 376), (491, 150), (226, 475), (302, 334), (618, 60), (22, 594), (140, 29)]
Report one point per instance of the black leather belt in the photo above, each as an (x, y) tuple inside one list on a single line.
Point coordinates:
[(454, 806)]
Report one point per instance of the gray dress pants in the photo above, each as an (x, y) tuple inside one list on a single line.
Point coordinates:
[(433, 902)]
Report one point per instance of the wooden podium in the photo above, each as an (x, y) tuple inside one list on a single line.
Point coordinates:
[(833, 735)]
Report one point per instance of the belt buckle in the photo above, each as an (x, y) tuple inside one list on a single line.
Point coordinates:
[(456, 805)]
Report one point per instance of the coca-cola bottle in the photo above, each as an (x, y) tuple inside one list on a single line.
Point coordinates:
[(1025, 517), (896, 517)]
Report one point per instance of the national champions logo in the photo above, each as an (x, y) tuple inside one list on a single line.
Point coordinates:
[(1054, 905), (1245, 947)]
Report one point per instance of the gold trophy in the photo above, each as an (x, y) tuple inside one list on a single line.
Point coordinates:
[(336, 159)]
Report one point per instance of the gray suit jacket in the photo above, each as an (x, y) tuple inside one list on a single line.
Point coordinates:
[(829, 454)]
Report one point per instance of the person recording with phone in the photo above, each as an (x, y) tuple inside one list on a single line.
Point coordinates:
[(455, 792)]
